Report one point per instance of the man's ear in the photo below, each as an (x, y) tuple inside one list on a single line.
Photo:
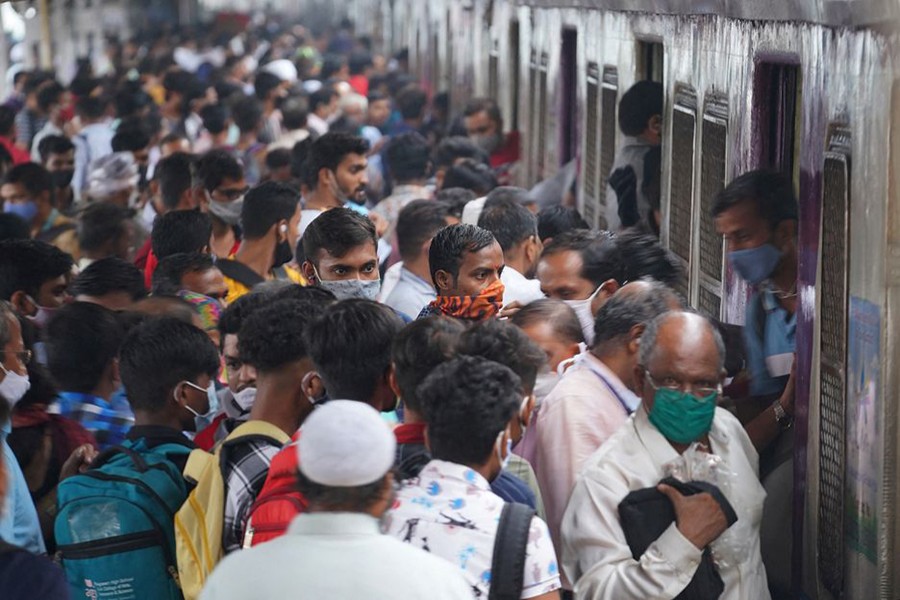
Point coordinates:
[(785, 233), (634, 338), (654, 124), (309, 272), (313, 387), (22, 304), (392, 381), (443, 279)]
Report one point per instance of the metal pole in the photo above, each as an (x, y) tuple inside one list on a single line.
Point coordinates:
[(4, 56), (46, 46)]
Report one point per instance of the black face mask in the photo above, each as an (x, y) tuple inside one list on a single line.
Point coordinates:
[(62, 179), (283, 254)]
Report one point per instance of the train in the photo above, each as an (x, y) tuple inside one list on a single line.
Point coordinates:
[(810, 88)]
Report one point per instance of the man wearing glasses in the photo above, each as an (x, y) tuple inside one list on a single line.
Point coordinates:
[(679, 380)]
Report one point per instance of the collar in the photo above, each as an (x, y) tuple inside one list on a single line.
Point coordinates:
[(333, 524), (630, 401), (410, 433), (455, 472)]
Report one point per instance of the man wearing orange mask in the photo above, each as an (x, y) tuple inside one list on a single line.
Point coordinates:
[(466, 262)]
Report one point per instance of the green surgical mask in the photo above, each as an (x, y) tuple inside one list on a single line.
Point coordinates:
[(681, 417)]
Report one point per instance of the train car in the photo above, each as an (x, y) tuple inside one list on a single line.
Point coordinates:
[(807, 87)]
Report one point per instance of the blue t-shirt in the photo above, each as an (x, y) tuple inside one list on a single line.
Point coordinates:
[(512, 489), (19, 523), (770, 355)]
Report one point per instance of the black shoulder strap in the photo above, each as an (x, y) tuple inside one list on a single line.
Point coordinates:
[(55, 231), (508, 562), (240, 272), (759, 325)]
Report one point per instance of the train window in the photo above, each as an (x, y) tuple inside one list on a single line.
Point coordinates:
[(713, 153), (541, 137), (591, 145), (533, 68), (776, 86), (681, 193), (650, 61), (834, 249), (514, 66), (494, 70), (568, 101), (609, 96)]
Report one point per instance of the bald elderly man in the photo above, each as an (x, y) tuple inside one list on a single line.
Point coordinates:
[(679, 380)]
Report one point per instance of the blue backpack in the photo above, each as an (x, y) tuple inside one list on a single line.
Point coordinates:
[(115, 524)]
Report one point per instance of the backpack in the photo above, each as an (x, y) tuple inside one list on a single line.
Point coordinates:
[(510, 546), (199, 523), (278, 502), (114, 530)]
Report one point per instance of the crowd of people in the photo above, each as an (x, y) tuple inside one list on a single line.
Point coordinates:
[(275, 322)]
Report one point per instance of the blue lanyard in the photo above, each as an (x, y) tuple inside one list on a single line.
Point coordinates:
[(608, 384)]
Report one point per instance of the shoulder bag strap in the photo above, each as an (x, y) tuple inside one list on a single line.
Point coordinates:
[(508, 562)]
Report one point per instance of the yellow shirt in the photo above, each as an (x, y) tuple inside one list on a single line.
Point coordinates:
[(236, 289)]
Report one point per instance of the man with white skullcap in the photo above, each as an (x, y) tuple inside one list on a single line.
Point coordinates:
[(335, 549)]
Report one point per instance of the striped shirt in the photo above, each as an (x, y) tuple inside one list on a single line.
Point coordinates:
[(109, 421)]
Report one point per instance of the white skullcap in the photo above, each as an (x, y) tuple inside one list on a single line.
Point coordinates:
[(472, 211), (111, 174), (345, 443), (283, 69)]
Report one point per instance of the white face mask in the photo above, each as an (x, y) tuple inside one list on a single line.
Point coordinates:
[(544, 384), (504, 460), (14, 386), (243, 400), (585, 315)]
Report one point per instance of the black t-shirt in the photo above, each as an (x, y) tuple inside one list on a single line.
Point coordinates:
[(25, 576), (157, 435)]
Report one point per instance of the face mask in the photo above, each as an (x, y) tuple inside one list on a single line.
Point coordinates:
[(234, 135), (202, 421), (681, 417), (585, 315), (488, 143), (25, 210), (283, 254), (43, 314), (545, 383), (243, 400), (754, 265), (504, 460), (473, 308), (62, 179), (14, 386), (229, 212)]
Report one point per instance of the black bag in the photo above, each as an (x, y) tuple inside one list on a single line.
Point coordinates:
[(244, 275), (646, 514), (508, 561)]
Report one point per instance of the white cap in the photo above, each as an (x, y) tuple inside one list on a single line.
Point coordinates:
[(283, 69), (111, 174), (345, 443), (472, 211)]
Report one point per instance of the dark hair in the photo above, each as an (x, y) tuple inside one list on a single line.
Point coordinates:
[(265, 205), (418, 349), (455, 199), (215, 117), (237, 312), (556, 313), (506, 217), (337, 231), (82, 340), (411, 102), (33, 177), (770, 192), (467, 402), (449, 245), (7, 120), (168, 274), (102, 222), (407, 157), (294, 113), (25, 265), (555, 220), (346, 499), (54, 144), (265, 83), (13, 227), (180, 231), (645, 257), (175, 177), (600, 254), (130, 140), (247, 113), (359, 61), (160, 353), (272, 338), (278, 159), (109, 275), (477, 105), (642, 101), (328, 151), (321, 96), (506, 344), (623, 311), (216, 166), (91, 107), (350, 345), (471, 175), (311, 294), (454, 148), (418, 222), (48, 94)]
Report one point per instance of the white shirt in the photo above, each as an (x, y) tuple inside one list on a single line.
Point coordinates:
[(451, 511), (289, 139), (411, 294), (334, 555), (93, 142), (584, 410), (595, 553), (316, 124), (518, 288)]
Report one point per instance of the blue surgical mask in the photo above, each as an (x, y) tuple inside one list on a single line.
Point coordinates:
[(25, 210), (202, 421), (755, 265), (681, 417)]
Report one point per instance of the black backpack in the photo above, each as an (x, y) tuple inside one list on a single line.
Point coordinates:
[(508, 562)]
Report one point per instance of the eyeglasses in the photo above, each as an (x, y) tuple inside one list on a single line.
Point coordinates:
[(24, 356), (232, 193), (701, 390)]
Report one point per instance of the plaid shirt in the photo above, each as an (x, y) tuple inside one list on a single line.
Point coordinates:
[(246, 467), (109, 421)]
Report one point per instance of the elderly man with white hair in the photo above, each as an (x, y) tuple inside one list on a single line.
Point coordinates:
[(335, 549), (679, 380)]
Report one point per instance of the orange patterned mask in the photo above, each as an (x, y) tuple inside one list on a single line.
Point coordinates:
[(474, 308)]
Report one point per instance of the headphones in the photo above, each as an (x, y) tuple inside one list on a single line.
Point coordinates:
[(283, 228)]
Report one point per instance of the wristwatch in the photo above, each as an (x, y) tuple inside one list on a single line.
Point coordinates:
[(784, 420)]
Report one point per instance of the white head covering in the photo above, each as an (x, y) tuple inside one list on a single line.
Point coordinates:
[(345, 443), (472, 211), (111, 174), (283, 69)]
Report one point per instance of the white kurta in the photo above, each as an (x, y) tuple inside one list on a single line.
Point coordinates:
[(595, 553)]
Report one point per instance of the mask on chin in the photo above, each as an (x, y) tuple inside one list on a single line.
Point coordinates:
[(583, 309)]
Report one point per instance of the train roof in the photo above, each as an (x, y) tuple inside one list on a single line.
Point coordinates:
[(836, 13)]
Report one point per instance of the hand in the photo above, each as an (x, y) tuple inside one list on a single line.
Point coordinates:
[(380, 223), (78, 462), (699, 517), (510, 309), (624, 182), (787, 396)]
